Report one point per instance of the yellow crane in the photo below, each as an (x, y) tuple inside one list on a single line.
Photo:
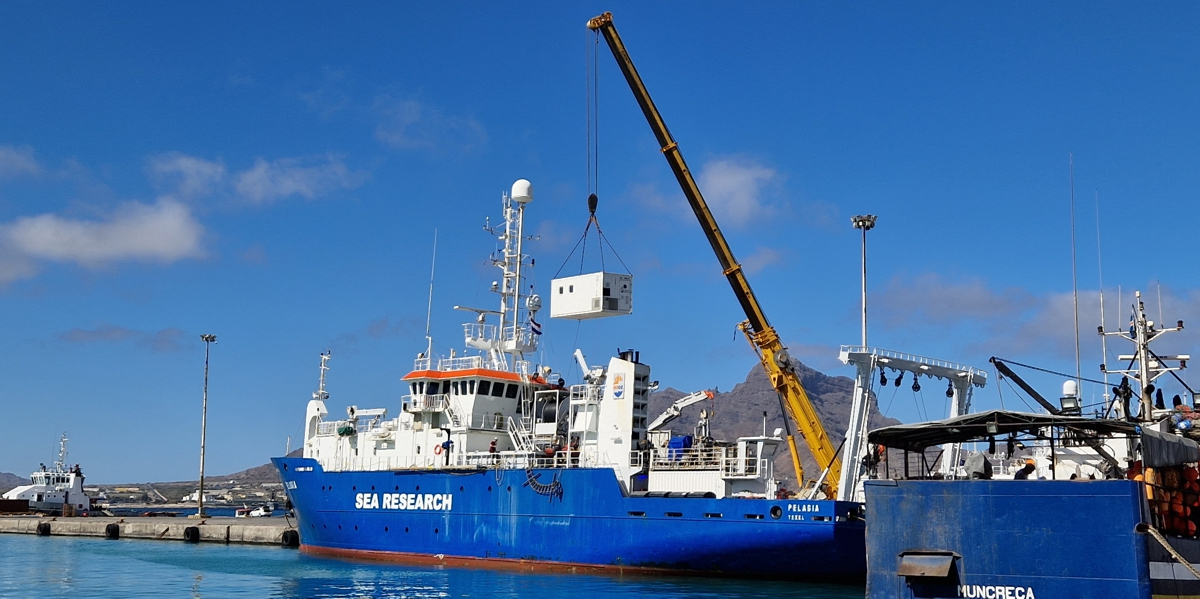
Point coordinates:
[(770, 349)]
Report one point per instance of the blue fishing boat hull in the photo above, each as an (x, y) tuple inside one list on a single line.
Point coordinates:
[(571, 519), (1018, 539)]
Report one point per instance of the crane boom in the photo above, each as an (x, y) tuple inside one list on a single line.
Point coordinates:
[(675, 409), (770, 349)]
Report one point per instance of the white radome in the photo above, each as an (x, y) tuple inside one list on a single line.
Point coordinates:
[(522, 191)]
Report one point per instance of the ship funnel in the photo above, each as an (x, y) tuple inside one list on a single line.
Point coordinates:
[(522, 191)]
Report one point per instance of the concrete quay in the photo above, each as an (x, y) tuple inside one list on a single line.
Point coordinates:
[(257, 531)]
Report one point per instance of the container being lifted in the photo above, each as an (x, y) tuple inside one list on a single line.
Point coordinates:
[(591, 295), (594, 294)]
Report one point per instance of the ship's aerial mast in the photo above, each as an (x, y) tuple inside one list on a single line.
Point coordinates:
[(1150, 366), (320, 393), (61, 464), (511, 335)]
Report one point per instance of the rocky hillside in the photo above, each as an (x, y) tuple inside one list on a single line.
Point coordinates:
[(8, 481), (740, 412)]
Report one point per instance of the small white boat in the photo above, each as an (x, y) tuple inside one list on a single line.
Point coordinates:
[(57, 491)]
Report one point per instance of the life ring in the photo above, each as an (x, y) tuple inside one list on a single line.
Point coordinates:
[(437, 449)]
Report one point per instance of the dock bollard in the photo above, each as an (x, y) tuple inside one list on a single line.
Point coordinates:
[(43, 529), (112, 532), (290, 538), (191, 534)]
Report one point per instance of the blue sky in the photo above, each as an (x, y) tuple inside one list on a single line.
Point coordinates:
[(274, 174)]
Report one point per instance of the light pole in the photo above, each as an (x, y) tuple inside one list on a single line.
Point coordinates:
[(866, 223), (208, 340)]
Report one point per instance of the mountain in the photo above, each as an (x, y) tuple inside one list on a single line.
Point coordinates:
[(258, 474), (739, 413), (8, 481)]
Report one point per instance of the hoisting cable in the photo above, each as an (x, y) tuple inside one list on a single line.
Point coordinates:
[(602, 239)]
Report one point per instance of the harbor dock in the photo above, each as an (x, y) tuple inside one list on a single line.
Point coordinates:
[(257, 531)]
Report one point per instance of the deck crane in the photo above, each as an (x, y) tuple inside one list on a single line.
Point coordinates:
[(770, 349), (675, 409)]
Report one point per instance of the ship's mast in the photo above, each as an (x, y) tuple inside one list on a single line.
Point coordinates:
[(320, 393), (512, 335), (1150, 366), (61, 464)]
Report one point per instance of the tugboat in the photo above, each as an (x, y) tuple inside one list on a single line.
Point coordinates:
[(57, 491), (494, 461), (1054, 504)]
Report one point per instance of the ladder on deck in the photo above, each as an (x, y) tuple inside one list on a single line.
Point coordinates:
[(520, 437)]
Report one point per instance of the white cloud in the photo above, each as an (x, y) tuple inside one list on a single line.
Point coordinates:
[(161, 232), (761, 258), (188, 175), (734, 190), (406, 123), (1015, 322), (269, 181), (18, 160), (163, 341), (931, 300)]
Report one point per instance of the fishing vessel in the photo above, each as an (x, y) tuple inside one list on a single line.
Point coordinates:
[(490, 459), (1051, 504), (57, 490)]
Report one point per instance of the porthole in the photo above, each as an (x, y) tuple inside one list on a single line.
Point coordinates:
[(776, 512)]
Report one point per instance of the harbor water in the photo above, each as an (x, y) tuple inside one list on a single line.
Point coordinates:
[(51, 567)]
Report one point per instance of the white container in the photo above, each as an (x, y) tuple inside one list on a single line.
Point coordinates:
[(592, 295)]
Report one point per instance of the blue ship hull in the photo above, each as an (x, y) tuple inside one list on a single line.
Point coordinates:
[(571, 519), (1023, 539)]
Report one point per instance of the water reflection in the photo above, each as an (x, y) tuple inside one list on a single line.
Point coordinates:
[(74, 567)]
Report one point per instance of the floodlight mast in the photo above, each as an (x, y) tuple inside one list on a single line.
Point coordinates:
[(762, 336), (866, 223), (208, 340)]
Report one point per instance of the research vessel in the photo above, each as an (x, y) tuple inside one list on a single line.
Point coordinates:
[(489, 459), (1050, 505)]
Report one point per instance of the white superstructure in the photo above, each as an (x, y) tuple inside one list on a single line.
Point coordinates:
[(57, 490), (493, 407)]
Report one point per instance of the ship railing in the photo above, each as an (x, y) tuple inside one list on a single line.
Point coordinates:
[(460, 363), (422, 364), (695, 458), (744, 467), (425, 403), (521, 336), (887, 353), (476, 331), (483, 421), (559, 459), (524, 367), (638, 459)]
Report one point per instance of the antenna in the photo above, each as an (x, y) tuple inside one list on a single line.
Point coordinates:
[(61, 464), (1103, 321), (429, 309), (1074, 276), (321, 394), (1160, 316)]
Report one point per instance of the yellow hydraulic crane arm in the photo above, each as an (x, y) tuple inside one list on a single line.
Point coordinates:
[(762, 336)]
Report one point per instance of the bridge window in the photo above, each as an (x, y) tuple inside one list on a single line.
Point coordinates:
[(432, 388), (454, 386), (511, 392), (497, 389), (472, 392), (485, 387)]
